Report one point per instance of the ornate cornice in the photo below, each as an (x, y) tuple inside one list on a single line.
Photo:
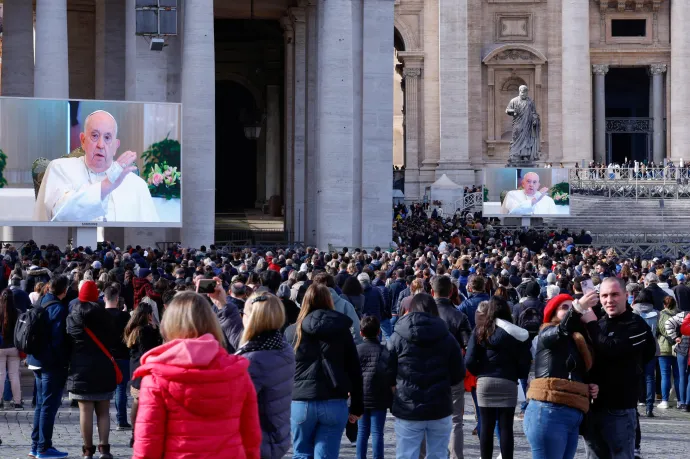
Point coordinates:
[(412, 72), (600, 69), (629, 5)]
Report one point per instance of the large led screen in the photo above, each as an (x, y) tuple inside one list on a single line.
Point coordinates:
[(86, 162), (512, 192)]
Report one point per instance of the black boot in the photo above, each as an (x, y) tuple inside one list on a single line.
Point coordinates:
[(105, 452), (88, 452)]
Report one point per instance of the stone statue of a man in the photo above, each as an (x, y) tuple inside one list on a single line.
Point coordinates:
[(524, 146)]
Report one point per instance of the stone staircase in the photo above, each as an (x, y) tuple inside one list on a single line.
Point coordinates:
[(603, 215)]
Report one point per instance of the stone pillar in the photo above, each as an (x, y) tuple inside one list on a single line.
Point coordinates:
[(576, 81), (412, 73), (199, 120), (299, 121), (680, 69), (657, 71), (334, 156), (600, 72), (17, 72), (146, 74), (288, 119), (51, 72), (110, 50), (431, 98), (18, 49), (377, 123), (272, 141), (312, 121), (453, 71)]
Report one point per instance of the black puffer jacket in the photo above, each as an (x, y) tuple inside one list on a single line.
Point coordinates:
[(149, 338), (373, 359), (425, 361), (326, 361), (557, 355), (90, 371), (505, 354)]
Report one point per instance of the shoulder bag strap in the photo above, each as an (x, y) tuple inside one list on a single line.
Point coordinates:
[(118, 373)]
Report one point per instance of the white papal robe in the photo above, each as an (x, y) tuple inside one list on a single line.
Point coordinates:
[(517, 202), (71, 192)]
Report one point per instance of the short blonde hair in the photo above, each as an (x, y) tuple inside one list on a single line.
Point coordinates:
[(189, 315), (265, 312)]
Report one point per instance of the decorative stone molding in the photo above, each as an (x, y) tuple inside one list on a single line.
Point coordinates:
[(515, 54), (288, 30), (600, 69), (629, 5), (412, 72), (657, 69), (512, 27)]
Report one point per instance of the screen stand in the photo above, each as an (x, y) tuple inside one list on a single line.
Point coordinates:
[(526, 222), (87, 237)]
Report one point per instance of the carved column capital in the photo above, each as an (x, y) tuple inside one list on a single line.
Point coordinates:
[(288, 29), (297, 14), (600, 69), (412, 72), (657, 69)]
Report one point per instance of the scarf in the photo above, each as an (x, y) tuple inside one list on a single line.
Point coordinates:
[(267, 341)]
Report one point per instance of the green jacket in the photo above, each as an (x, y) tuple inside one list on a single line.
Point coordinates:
[(665, 343)]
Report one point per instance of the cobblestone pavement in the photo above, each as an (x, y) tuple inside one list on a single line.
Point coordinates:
[(665, 436)]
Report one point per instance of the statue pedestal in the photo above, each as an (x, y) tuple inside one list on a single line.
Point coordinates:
[(521, 163)]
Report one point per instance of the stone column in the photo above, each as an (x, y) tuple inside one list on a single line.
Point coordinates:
[(18, 49), (199, 120), (657, 71), (377, 123), (312, 121), (51, 72), (412, 76), (600, 72), (17, 72), (576, 81), (288, 119), (334, 155), (299, 121), (431, 99), (453, 70), (146, 74), (272, 141), (680, 92), (110, 50)]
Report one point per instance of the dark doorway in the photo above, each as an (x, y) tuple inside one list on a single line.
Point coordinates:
[(627, 113), (235, 154)]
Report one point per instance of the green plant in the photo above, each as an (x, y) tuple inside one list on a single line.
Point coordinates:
[(162, 168), (560, 193), (3, 163)]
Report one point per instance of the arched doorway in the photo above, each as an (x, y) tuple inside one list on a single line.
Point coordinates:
[(236, 156)]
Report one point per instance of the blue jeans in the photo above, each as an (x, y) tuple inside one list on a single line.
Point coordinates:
[(552, 430), (611, 434), (372, 421), (121, 393), (7, 391), (317, 427), (650, 384), (409, 436), (525, 386), (49, 385), (683, 379), (386, 328), (669, 367)]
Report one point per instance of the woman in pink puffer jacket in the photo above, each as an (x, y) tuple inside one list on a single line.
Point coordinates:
[(195, 401)]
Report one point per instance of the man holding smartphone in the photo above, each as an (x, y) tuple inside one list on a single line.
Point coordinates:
[(226, 311)]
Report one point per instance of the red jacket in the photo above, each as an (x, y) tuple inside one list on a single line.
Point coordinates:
[(196, 401), (142, 288)]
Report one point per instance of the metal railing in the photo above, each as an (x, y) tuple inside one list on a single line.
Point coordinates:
[(470, 202), (657, 183), (645, 250), (606, 174)]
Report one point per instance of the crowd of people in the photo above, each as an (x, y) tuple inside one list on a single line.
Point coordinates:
[(249, 353), (640, 170)]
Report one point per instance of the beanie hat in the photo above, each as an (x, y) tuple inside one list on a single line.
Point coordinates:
[(553, 305), (144, 272), (532, 289), (551, 278), (88, 293)]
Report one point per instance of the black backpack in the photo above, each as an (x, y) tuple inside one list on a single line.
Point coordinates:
[(531, 319), (31, 329)]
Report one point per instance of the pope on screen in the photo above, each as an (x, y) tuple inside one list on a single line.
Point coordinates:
[(529, 200), (95, 187)]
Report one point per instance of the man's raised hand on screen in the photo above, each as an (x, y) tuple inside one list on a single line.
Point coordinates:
[(126, 162)]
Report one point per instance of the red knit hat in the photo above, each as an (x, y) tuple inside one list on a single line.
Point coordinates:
[(88, 293), (553, 305)]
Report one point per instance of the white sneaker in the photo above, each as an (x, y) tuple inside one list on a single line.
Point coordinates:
[(678, 405), (638, 453), (662, 405), (500, 456), (640, 404)]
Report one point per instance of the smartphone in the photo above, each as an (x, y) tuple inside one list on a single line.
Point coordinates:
[(587, 286), (206, 286)]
